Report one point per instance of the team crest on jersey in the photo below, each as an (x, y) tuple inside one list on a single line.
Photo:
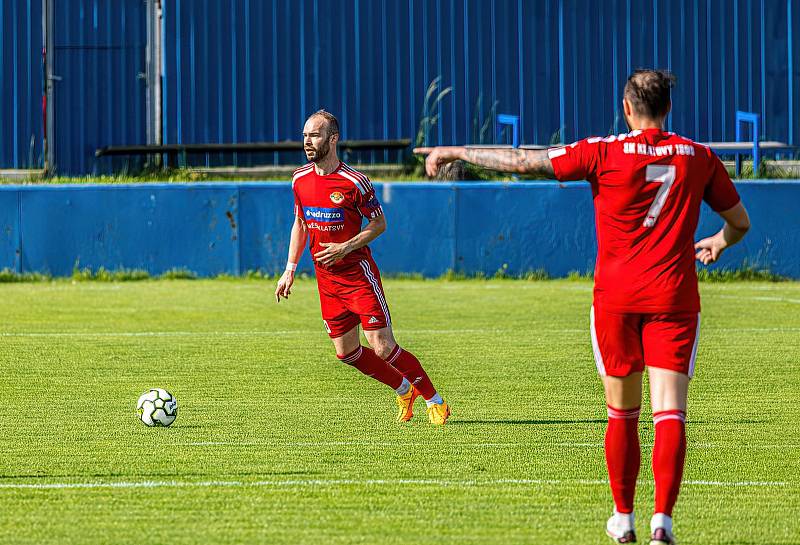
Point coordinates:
[(336, 197)]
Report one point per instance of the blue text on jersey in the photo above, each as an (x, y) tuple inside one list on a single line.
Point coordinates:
[(324, 215)]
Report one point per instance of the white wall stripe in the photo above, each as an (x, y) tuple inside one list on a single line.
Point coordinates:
[(312, 483)]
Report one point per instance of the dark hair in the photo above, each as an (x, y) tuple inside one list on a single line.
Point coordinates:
[(333, 123), (648, 91)]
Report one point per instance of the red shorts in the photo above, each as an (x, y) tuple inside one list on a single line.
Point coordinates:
[(352, 296), (625, 343)]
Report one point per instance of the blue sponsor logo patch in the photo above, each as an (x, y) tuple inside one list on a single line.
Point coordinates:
[(323, 215)]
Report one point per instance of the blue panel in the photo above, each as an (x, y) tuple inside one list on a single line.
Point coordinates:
[(773, 242), (154, 228), (432, 228), (266, 216), (525, 227), (10, 242), (421, 228), (21, 90)]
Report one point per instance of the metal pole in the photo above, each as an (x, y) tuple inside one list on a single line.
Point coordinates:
[(153, 71), (48, 39)]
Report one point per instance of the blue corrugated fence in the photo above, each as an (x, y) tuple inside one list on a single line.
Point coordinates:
[(252, 70)]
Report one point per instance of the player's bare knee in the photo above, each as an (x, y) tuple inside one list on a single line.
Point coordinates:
[(383, 349)]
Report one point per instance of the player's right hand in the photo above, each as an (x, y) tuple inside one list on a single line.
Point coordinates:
[(437, 157), (284, 286)]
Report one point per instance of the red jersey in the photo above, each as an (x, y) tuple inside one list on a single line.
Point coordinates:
[(332, 207), (647, 187)]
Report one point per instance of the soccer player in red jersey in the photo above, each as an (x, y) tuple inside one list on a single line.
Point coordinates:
[(647, 187), (330, 201)]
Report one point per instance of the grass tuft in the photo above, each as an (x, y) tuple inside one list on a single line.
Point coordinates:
[(104, 275), (178, 274), (9, 276), (749, 273)]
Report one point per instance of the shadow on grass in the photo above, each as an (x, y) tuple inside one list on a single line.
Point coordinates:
[(528, 422)]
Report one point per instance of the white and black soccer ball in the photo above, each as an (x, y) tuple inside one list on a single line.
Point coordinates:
[(157, 407)]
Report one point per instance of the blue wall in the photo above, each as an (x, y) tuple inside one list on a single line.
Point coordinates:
[(252, 70), (232, 228)]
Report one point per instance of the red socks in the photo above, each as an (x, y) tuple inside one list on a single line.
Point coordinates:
[(408, 364), (365, 360), (669, 454), (623, 456)]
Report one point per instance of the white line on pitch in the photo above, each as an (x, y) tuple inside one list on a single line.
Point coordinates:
[(361, 482), (461, 443), (761, 298), (278, 333)]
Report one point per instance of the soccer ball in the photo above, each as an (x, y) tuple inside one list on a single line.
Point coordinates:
[(157, 407)]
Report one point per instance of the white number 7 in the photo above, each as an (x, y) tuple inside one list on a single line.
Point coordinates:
[(666, 175)]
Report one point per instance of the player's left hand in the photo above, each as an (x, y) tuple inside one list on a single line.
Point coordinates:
[(333, 252), (709, 249)]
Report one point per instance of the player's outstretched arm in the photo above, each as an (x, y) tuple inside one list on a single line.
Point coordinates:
[(335, 251), (297, 241), (737, 223), (517, 161)]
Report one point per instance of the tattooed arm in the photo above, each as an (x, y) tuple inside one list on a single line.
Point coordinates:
[(518, 161)]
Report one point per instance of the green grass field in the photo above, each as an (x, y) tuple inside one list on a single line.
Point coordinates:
[(278, 442)]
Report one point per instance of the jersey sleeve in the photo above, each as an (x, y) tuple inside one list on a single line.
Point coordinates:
[(578, 161), (298, 208), (720, 193), (367, 203)]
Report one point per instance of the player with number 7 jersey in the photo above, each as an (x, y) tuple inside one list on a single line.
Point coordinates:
[(647, 186)]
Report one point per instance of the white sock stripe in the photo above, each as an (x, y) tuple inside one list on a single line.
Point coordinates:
[(353, 357), (681, 417), (377, 289), (629, 413), (396, 355)]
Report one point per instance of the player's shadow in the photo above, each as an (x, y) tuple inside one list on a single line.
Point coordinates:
[(530, 422)]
